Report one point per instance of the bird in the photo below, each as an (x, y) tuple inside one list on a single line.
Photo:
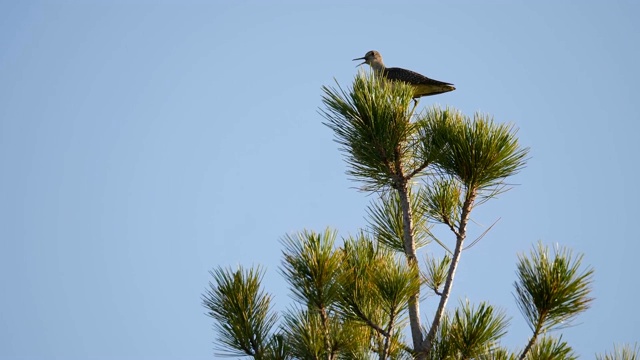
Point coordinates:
[(422, 85)]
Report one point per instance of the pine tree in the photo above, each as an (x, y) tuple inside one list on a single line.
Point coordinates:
[(359, 299)]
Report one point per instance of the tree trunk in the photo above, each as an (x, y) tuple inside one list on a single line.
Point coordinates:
[(410, 252)]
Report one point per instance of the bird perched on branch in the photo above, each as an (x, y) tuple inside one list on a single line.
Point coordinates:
[(422, 85)]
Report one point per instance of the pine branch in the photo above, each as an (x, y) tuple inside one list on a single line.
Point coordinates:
[(356, 309), (241, 309), (534, 337), (551, 290), (446, 292)]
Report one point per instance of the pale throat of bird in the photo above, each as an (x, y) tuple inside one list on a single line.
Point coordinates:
[(377, 66)]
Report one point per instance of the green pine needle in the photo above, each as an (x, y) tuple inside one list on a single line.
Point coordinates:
[(475, 330), (371, 122), (479, 152), (311, 266), (241, 309), (385, 218), (552, 289), (621, 352), (549, 348), (436, 272), (441, 201)]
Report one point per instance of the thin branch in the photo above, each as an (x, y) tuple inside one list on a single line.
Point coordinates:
[(534, 337), (368, 321), (387, 339), (418, 169), (446, 291), (447, 221)]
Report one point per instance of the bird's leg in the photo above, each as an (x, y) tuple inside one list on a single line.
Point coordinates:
[(415, 104)]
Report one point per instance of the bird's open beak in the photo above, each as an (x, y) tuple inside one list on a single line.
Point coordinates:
[(362, 58)]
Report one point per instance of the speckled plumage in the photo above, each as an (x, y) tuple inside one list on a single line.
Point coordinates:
[(423, 86)]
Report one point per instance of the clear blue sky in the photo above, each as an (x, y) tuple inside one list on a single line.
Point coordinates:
[(143, 143)]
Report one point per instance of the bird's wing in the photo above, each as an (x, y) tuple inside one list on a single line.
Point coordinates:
[(410, 77)]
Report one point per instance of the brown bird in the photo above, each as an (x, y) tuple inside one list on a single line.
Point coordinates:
[(422, 85)]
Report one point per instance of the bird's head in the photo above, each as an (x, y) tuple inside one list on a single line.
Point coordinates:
[(373, 58)]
